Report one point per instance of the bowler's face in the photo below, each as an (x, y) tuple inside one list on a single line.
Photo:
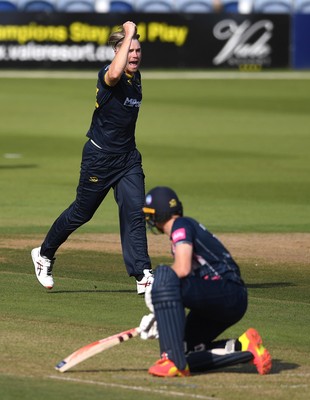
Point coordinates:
[(134, 57)]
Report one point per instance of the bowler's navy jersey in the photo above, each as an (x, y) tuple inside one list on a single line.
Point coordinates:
[(114, 119), (211, 260)]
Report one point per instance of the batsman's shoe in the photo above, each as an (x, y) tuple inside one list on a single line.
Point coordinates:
[(146, 280), (252, 341), (166, 368), (43, 267)]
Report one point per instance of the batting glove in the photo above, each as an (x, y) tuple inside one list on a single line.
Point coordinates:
[(148, 327), (148, 298)]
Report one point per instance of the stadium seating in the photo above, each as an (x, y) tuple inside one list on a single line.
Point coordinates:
[(230, 6), (8, 5), (102, 6), (160, 6), (84, 6), (273, 6), (302, 6), (195, 6), (157, 6), (245, 6), (122, 6), (37, 5)]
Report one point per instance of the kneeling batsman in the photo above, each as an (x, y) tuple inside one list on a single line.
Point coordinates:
[(205, 280)]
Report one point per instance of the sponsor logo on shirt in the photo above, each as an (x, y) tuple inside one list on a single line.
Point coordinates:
[(179, 234), (132, 102)]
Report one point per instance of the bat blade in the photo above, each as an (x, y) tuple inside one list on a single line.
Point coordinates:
[(94, 348)]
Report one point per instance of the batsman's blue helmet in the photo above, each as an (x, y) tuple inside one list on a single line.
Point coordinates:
[(161, 203)]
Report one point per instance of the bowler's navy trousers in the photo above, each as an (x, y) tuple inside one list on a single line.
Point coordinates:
[(99, 173)]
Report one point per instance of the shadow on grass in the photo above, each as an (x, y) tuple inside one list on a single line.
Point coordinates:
[(266, 285), (18, 166), (95, 371), (278, 366), (91, 291)]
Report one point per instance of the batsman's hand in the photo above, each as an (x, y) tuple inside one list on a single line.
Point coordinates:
[(148, 327)]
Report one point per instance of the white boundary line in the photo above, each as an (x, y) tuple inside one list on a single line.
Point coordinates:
[(135, 388), (171, 75)]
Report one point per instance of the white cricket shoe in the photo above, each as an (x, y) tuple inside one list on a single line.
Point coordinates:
[(146, 281), (43, 267)]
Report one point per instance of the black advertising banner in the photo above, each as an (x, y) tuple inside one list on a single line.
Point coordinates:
[(64, 40)]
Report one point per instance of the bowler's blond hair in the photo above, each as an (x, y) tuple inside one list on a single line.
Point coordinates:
[(116, 38)]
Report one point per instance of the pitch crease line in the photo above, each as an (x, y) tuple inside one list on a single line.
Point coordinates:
[(135, 388)]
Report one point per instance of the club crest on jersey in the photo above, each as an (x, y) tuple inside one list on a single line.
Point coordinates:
[(132, 102)]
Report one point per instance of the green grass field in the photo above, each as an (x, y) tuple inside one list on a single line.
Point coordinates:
[(236, 151)]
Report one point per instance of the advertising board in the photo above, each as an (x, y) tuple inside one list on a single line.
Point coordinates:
[(64, 40)]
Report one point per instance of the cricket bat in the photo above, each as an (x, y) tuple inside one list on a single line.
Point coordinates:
[(94, 348)]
